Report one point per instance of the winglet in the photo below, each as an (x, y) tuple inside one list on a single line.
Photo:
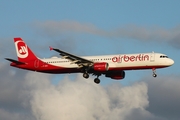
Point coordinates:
[(50, 48)]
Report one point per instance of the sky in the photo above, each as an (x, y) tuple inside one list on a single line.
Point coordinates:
[(90, 28)]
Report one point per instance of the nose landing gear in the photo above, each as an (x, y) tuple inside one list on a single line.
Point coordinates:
[(154, 72), (154, 75)]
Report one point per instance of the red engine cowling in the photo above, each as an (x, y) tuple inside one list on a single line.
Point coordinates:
[(116, 75), (102, 67)]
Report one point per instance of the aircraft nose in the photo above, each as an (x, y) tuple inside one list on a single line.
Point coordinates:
[(171, 62)]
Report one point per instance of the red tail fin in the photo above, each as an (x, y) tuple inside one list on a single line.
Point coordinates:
[(24, 53)]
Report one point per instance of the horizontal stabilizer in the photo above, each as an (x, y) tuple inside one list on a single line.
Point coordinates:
[(15, 61)]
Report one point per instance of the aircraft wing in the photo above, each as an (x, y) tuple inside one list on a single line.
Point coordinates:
[(81, 62)]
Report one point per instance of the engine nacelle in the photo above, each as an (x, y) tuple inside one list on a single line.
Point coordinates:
[(116, 75), (102, 67)]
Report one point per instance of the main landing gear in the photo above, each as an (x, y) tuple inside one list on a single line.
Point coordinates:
[(86, 75), (96, 80), (154, 72)]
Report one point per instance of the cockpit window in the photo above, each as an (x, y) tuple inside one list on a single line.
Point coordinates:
[(163, 56)]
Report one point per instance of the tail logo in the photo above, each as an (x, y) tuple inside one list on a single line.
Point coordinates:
[(21, 49)]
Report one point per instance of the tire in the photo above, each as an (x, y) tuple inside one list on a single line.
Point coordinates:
[(154, 75), (86, 75), (97, 80)]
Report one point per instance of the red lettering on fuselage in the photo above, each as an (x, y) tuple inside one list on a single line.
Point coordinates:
[(131, 58)]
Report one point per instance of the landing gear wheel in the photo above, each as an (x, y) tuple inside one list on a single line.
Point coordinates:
[(154, 75), (154, 72), (97, 80), (86, 75)]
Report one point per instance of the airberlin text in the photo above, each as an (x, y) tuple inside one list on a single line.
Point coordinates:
[(130, 58)]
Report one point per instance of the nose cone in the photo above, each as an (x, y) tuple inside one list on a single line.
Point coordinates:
[(170, 62)]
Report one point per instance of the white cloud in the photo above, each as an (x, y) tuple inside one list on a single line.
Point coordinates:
[(55, 28), (81, 99), (142, 33), (31, 95)]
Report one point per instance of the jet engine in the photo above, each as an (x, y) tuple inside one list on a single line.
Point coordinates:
[(101, 67), (117, 75)]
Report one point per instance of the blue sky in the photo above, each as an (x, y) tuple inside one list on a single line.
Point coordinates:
[(94, 27)]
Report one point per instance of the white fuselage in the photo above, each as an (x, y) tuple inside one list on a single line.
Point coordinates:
[(121, 61)]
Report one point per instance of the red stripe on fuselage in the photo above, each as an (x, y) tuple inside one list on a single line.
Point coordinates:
[(59, 70)]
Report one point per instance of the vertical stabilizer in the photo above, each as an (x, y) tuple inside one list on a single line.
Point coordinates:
[(24, 53)]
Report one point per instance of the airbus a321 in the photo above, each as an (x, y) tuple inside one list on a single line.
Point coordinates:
[(112, 66)]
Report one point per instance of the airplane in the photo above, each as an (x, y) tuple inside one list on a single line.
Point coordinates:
[(112, 66)]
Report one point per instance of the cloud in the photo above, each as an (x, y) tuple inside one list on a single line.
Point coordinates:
[(5, 47), (8, 116), (142, 33), (31, 95), (12, 103), (164, 96), (81, 99), (55, 28)]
